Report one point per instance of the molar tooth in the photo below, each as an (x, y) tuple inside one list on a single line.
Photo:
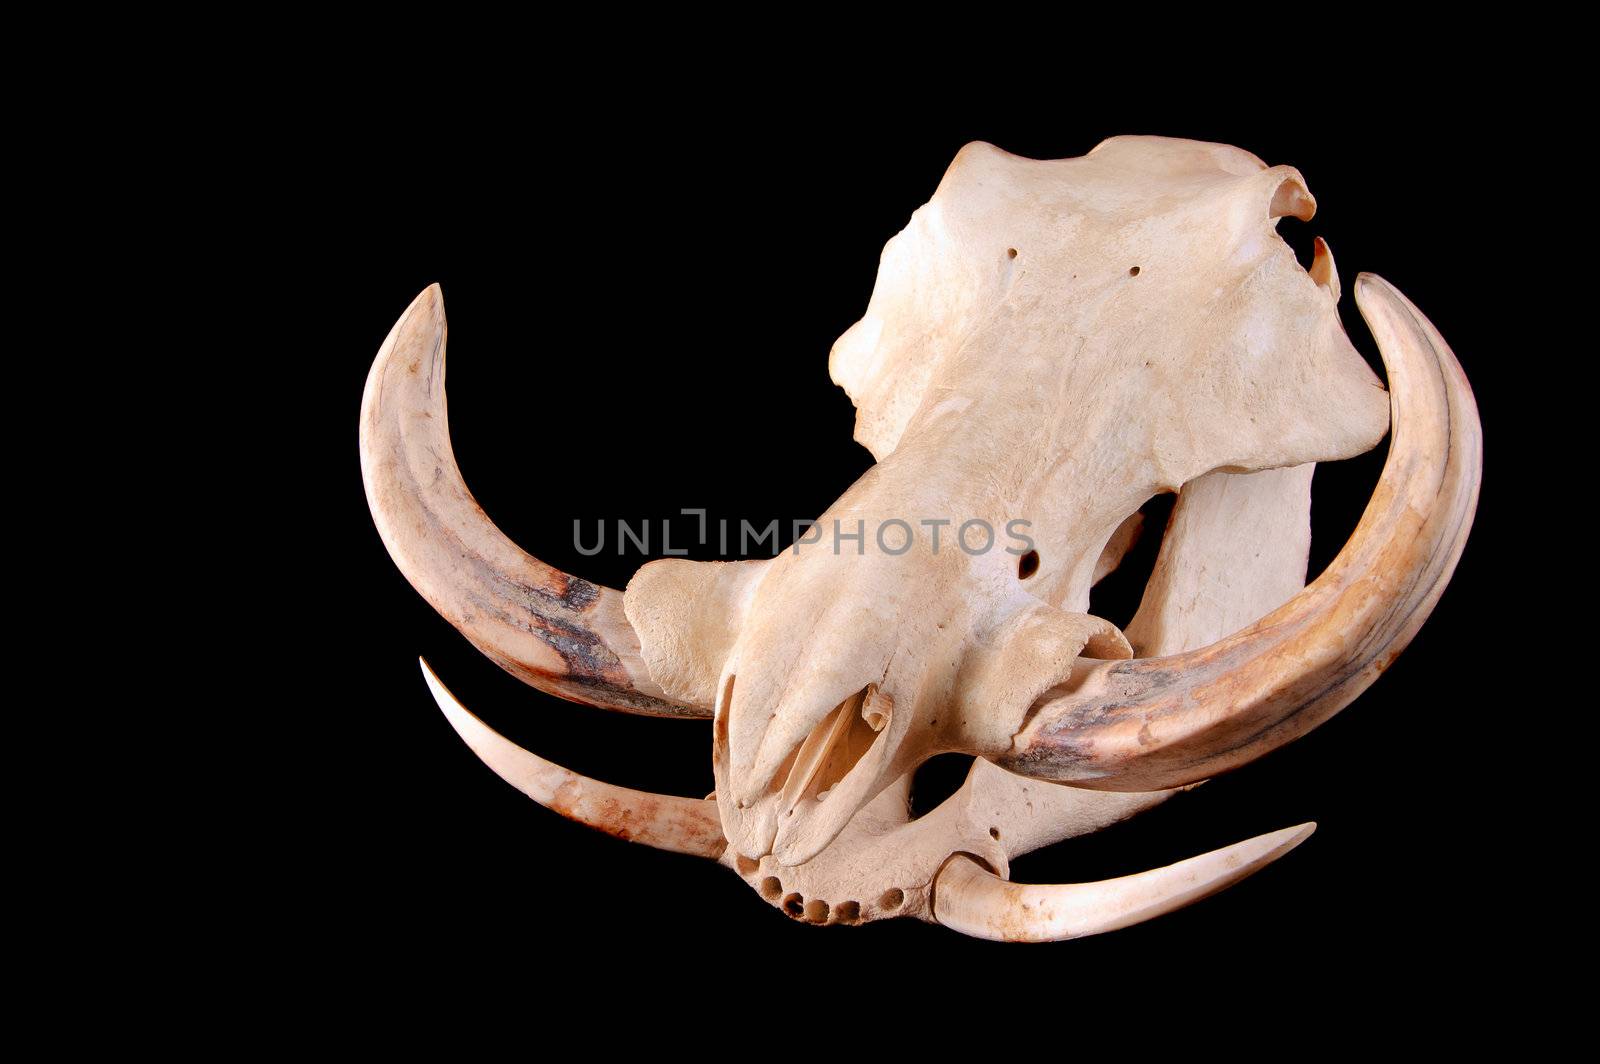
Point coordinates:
[(876, 708), (1323, 270)]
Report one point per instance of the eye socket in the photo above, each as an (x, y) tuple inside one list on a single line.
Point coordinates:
[(1027, 565)]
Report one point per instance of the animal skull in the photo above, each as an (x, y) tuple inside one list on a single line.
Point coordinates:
[(1052, 342)]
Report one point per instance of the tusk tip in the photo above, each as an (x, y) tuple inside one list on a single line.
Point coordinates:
[(429, 303), (1288, 838), (1366, 280), (467, 724)]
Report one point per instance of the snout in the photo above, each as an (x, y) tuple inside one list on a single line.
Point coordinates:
[(795, 808), (820, 698), (807, 736)]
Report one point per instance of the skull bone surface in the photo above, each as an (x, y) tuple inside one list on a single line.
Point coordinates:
[(1048, 346)]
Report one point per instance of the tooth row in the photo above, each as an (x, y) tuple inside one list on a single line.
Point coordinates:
[(818, 911)]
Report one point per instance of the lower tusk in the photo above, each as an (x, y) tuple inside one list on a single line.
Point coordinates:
[(975, 901), (666, 822)]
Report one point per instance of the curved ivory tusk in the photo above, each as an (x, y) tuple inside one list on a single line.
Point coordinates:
[(561, 634), (975, 901), (664, 821), (1154, 723)]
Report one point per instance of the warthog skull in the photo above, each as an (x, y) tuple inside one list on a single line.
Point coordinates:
[(1048, 346)]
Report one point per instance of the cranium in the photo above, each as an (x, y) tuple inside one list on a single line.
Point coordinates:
[(1051, 343)]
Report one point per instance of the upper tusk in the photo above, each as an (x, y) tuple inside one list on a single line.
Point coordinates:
[(664, 821), (560, 634), (975, 901), (1154, 723)]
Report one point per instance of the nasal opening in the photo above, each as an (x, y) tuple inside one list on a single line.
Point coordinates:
[(834, 747)]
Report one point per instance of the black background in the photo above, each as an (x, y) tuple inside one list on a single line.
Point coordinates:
[(641, 304)]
